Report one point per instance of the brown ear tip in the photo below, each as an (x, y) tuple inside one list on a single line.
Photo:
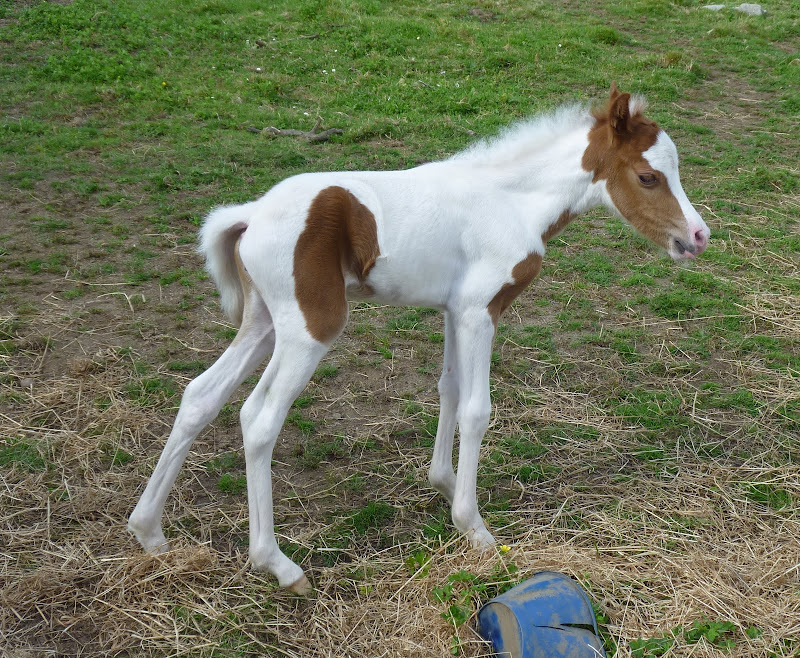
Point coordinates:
[(614, 90), (620, 105)]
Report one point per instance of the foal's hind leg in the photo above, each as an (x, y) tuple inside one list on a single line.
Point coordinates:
[(441, 474), (295, 358), (202, 400)]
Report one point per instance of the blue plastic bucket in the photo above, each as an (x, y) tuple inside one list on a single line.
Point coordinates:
[(547, 616)]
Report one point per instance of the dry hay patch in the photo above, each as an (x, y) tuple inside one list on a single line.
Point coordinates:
[(658, 543)]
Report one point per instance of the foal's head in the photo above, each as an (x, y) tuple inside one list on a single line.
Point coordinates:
[(638, 163)]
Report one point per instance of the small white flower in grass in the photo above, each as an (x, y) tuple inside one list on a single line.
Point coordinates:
[(333, 70), (305, 114), (258, 69)]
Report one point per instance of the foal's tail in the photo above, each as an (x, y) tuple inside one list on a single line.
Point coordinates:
[(218, 237)]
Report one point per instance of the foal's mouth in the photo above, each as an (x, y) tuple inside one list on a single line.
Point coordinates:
[(680, 248), (684, 249)]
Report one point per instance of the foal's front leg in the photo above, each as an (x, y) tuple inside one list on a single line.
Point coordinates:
[(474, 336)]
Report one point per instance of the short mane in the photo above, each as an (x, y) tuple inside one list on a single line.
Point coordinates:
[(527, 135)]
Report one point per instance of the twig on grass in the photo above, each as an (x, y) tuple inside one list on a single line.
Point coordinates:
[(128, 298), (315, 135)]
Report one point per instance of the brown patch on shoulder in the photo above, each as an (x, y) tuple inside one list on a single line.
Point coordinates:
[(522, 274), (340, 237), (559, 225)]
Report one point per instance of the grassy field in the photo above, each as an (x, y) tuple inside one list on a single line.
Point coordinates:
[(645, 435)]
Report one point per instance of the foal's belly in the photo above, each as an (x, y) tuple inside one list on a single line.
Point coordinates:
[(406, 284)]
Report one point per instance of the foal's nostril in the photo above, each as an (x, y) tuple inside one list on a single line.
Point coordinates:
[(700, 238)]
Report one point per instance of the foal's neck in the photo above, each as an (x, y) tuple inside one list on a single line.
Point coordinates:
[(548, 174)]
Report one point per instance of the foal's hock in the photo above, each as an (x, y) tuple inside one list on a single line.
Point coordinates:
[(465, 235)]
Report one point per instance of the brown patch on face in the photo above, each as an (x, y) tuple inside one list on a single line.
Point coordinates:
[(559, 225), (340, 237), (523, 273), (617, 141)]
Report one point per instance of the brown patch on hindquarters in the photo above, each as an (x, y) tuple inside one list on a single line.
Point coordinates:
[(522, 274), (617, 141), (360, 291), (340, 236)]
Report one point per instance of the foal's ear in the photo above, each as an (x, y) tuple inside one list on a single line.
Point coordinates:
[(619, 112)]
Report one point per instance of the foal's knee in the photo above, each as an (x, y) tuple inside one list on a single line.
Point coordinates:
[(198, 405), (261, 424), (448, 388), (248, 413), (473, 416), (442, 478)]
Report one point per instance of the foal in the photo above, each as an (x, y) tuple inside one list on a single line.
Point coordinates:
[(465, 235)]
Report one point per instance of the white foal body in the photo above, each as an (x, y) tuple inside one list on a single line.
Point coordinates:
[(464, 235)]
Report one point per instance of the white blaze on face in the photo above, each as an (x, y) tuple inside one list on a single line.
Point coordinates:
[(663, 157)]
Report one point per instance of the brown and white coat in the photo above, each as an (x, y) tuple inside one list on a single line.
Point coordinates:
[(465, 235)]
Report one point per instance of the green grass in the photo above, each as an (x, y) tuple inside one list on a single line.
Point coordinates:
[(768, 494), (22, 452), (234, 485), (326, 371), (224, 462), (118, 456), (151, 391), (315, 451), (306, 426), (373, 516)]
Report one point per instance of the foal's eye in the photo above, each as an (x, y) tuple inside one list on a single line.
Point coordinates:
[(648, 179)]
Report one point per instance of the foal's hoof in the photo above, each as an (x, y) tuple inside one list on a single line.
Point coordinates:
[(159, 549), (481, 538), (301, 586), (153, 543)]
